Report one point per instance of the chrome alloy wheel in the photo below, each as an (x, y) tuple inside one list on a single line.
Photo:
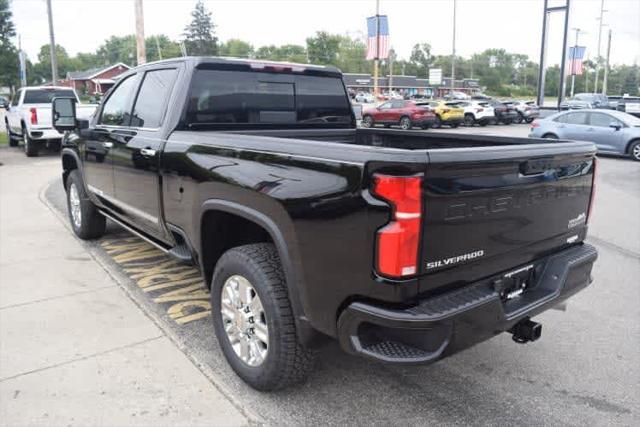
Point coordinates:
[(74, 205), (244, 320), (636, 151)]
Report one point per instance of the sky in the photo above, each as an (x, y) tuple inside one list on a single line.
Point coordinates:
[(514, 25)]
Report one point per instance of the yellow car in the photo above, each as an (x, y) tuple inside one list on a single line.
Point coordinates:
[(447, 113)]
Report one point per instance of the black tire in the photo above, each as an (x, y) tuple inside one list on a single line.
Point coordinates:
[(634, 151), (437, 124), (31, 148), (483, 123), (425, 126), (469, 120), (286, 361), (13, 141), (405, 123), (519, 119), (529, 119), (454, 125), (92, 223), (550, 136), (367, 122)]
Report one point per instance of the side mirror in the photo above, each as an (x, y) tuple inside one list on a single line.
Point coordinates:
[(615, 125), (63, 112)]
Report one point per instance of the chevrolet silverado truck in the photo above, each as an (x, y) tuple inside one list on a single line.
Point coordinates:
[(406, 247), (28, 117)]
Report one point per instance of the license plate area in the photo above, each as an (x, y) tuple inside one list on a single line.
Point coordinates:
[(514, 283)]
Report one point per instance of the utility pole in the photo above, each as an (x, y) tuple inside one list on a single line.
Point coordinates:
[(602, 11), (453, 55), (606, 65), (140, 48), (52, 47), (572, 70), (376, 60), (586, 77), (23, 68)]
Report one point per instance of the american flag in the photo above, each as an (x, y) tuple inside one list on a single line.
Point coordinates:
[(382, 42), (576, 54)]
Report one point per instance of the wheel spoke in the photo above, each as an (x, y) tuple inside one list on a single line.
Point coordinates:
[(261, 332)]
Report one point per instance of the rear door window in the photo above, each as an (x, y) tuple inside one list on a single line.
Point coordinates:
[(152, 98), (575, 118)]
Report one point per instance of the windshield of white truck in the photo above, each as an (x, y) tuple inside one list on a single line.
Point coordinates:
[(44, 96), (246, 99)]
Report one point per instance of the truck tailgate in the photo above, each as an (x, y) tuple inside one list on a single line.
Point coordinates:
[(481, 204)]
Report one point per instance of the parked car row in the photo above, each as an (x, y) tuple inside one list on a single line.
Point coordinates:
[(437, 113)]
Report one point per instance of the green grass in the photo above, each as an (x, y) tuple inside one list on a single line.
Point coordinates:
[(3, 139)]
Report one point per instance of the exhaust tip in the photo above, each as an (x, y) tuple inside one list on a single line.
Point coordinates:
[(526, 331)]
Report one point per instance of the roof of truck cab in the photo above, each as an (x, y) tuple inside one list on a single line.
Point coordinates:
[(198, 60)]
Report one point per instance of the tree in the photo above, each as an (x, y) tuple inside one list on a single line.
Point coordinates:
[(323, 48), (41, 72), (9, 63), (117, 49), (168, 48), (351, 57), (236, 48), (200, 38), (421, 59)]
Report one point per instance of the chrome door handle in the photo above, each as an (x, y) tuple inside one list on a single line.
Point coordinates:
[(107, 144), (147, 152)]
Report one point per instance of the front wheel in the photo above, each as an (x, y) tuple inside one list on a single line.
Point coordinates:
[(85, 219), (405, 123), (469, 120), (634, 151), (254, 321), (367, 121)]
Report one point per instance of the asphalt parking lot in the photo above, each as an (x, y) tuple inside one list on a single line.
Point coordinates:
[(584, 370)]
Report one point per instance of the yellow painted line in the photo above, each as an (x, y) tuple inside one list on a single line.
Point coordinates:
[(168, 282)]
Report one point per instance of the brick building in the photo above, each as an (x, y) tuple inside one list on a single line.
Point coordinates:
[(95, 80)]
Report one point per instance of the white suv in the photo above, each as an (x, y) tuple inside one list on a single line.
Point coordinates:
[(480, 112)]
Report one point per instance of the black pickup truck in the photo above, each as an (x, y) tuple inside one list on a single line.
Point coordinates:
[(405, 246)]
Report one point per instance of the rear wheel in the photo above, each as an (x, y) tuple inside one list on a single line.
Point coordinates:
[(454, 125), (30, 146), (437, 124), (85, 219), (634, 151), (405, 123), (469, 120), (367, 121), (519, 119), (253, 319), (550, 136)]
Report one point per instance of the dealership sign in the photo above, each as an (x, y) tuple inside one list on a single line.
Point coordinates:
[(435, 76)]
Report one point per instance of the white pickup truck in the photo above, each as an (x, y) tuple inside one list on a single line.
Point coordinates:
[(28, 117)]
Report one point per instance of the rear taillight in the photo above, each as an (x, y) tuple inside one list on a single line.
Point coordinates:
[(398, 241), (593, 188), (34, 116), (534, 125)]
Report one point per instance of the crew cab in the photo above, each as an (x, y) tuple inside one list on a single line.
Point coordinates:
[(406, 247), (28, 117), (405, 114)]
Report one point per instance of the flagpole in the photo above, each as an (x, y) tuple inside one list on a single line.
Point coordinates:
[(376, 59)]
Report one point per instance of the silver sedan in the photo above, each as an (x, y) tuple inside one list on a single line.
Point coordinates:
[(613, 132)]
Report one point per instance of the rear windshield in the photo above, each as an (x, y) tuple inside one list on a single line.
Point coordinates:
[(44, 96), (230, 99)]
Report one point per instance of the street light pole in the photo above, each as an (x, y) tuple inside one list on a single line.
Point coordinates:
[(376, 59), (606, 66), (52, 47), (573, 70), (602, 11), (453, 55)]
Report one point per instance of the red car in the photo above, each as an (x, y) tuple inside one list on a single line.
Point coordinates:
[(406, 114)]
